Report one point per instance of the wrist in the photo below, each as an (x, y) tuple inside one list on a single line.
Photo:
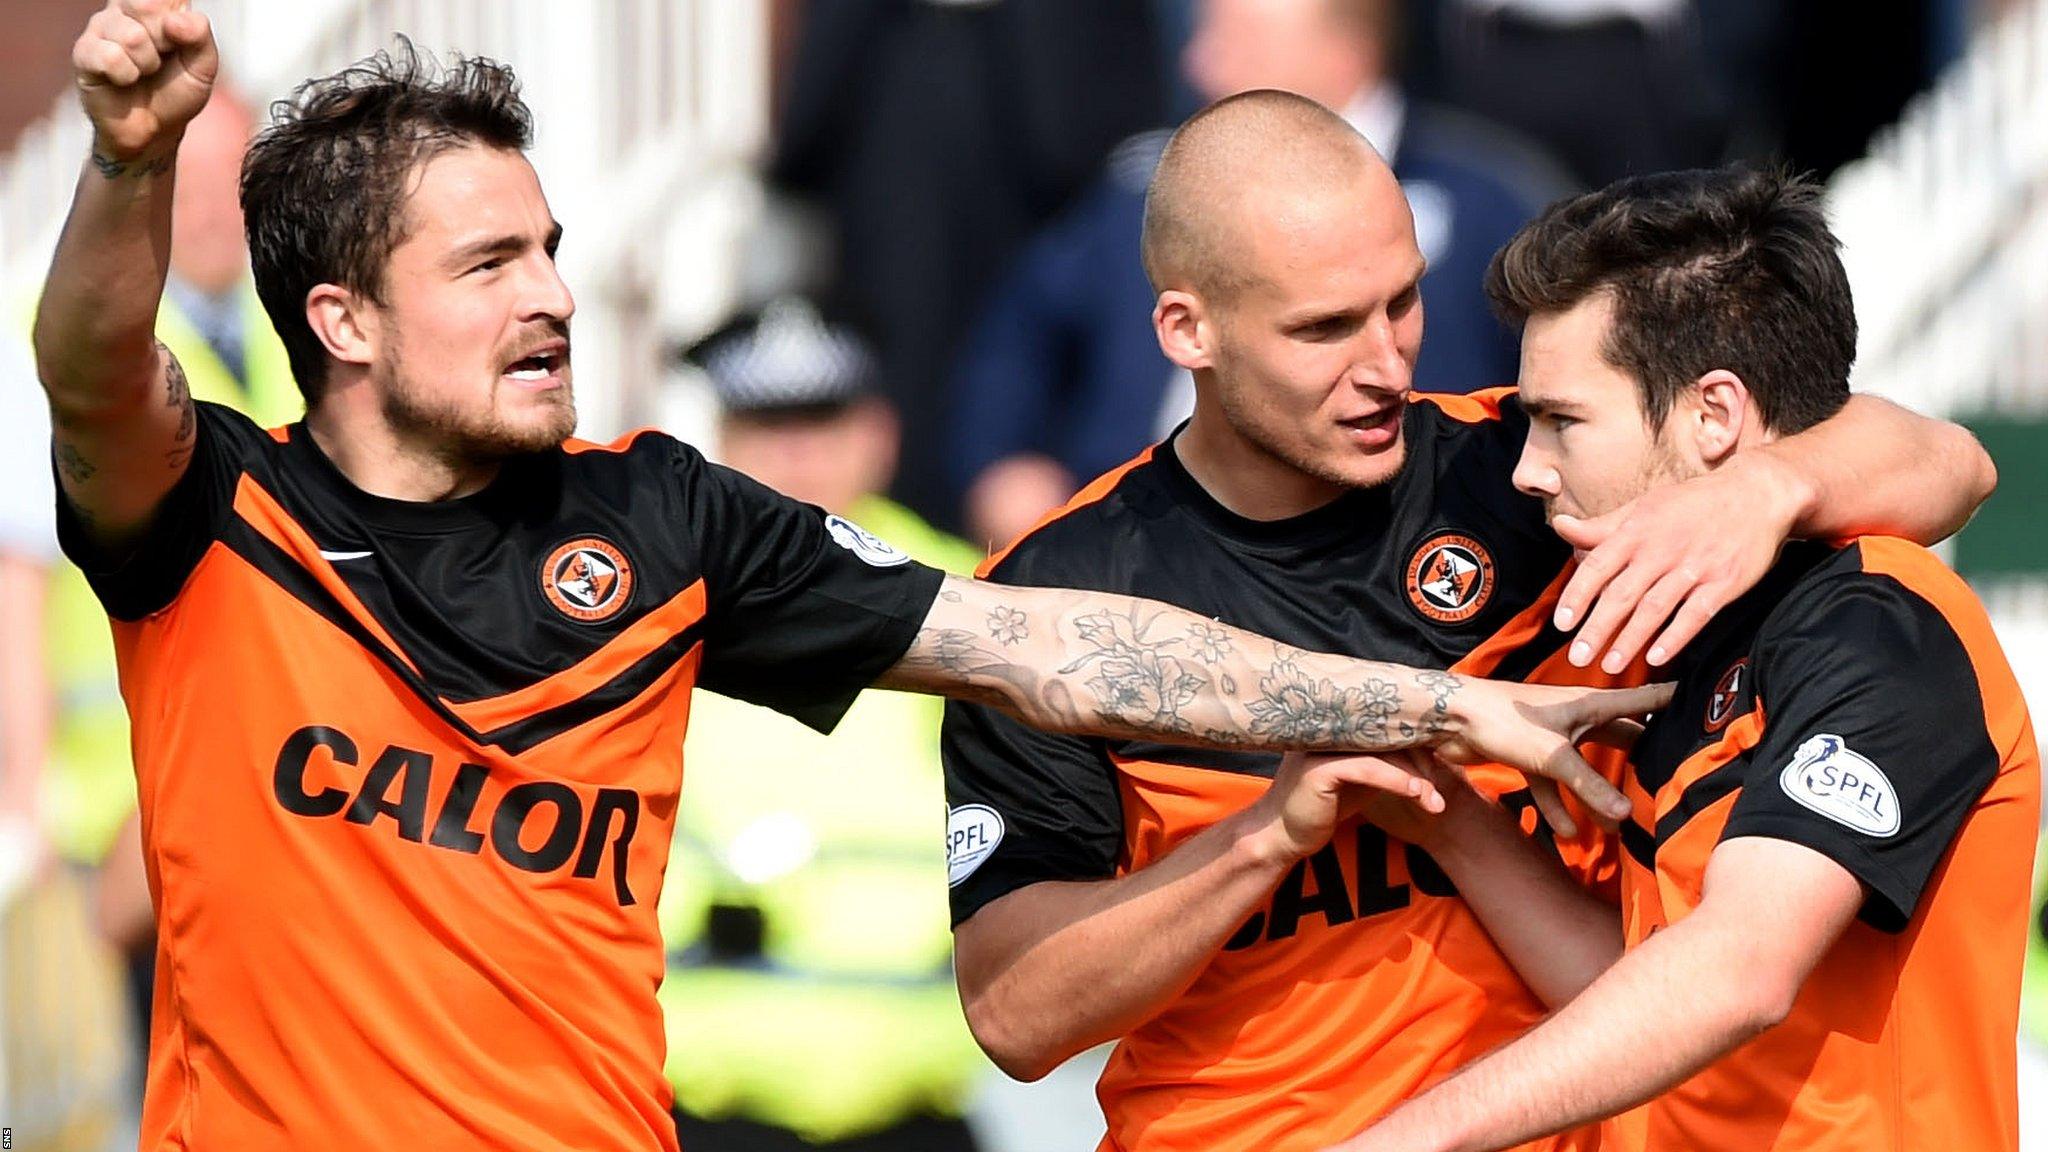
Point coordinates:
[(1788, 493), (1259, 840), (156, 155), (1459, 710), (1460, 836)]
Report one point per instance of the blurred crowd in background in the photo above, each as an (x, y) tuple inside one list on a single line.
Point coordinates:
[(941, 330)]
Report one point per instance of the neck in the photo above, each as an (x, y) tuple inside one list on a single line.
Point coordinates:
[(377, 459), (1243, 477)]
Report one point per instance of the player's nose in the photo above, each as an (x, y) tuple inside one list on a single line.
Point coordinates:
[(547, 295), (1535, 475), (1378, 365)]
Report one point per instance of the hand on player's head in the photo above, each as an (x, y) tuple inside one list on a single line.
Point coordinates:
[(144, 69), (1661, 565)]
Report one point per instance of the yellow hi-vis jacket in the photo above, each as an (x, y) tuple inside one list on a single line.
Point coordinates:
[(810, 951)]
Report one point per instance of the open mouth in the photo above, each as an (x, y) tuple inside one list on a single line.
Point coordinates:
[(545, 363), (1379, 423)]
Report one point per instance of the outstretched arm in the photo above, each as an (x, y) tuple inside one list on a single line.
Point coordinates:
[(1653, 577), (1091, 662), (122, 419), (1685, 997)]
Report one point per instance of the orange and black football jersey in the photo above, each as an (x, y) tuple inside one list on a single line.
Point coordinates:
[(1363, 979), (408, 774), (1857, 703)]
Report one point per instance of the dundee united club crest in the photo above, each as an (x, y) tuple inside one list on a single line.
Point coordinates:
[(587, 580), (1450, 578), (1728, 692)]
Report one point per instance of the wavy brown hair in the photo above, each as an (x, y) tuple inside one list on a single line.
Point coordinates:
[(1725, 268), (324, 187)]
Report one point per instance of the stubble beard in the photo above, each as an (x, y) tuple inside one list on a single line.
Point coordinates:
[(1245, 419), (461, 436), (1661, 466)]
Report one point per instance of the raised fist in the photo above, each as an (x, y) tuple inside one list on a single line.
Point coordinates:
[(144, 69)]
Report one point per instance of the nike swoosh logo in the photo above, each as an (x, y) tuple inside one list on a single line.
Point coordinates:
[(326, 555)]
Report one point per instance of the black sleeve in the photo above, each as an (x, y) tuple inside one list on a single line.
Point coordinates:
[(803, 610), (1023, 806), (1472, 452), (1875, 747), (145, 577)]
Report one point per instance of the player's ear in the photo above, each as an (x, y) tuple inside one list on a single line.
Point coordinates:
[(344, 322), (1182, 325), (1724, 408)]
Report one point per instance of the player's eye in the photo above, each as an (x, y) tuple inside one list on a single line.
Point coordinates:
[(1406, 301), (1330, 328), (491, 264)]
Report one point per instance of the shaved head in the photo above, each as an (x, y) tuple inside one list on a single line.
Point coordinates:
[(1258, 155), (1288, 283)]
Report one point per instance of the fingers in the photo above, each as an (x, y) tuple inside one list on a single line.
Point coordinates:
[(1618, 734), (1551, 805), (1386, 776), (1570, 769), (1655, 607), (103, 63), (116, 49), (1617, 601), (1603, 561), (1587, 532), (192, 33), (1598, 707), (1693, 615)]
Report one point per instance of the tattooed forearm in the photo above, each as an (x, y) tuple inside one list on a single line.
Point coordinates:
[(1078, 661), (1008, 625), (73, 464), (112, 169), (959, 663), (1138, 674), (178, 394), (1441, 686), (1296, 708)]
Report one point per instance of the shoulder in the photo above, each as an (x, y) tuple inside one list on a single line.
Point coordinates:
[(1874, 612), (1451, 425), (1075, 545), (646, 456), (1452, 409), (233, 434), (640, 444), (1856, 583)]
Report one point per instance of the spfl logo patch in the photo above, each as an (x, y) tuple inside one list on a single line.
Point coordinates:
[(863, 543), (1826, 776), (972, 833), (1450, 578), (588, 580)]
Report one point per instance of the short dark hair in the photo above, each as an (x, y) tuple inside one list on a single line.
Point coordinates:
[(1727, 268), (324, 186)]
